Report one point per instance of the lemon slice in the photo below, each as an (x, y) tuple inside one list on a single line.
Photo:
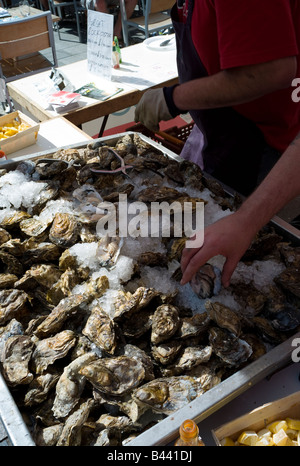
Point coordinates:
[(227, 442), (293, 423), (280, 438), (276, 426), (249, 437)]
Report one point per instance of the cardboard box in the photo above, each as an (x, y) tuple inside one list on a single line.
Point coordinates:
[(23, 138), (260, 417)]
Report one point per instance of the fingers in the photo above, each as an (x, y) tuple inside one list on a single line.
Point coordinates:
[(192, 260), (228, 270)]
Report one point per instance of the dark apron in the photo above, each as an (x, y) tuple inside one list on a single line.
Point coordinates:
[(233, 145)]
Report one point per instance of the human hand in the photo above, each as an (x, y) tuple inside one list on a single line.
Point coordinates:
[(152, 108), (228, 237)]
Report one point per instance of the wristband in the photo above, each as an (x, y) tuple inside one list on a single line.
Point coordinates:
[(168, 94)]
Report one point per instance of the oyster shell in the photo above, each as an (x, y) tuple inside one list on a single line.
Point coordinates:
[(47, 351), (64, 231), (71, 432), (165, 323), (160, 194), (166, 352), (192, 356), (10, 264), (101, 330), (13, 304), (17, 354), (39, 388), (289, 281), (224, 317), (33, 227), (63, 286), (114, 376), (70, 386), (41, 252), (193, 326), (54, 321), (44, 274), (206, 282), (7, 280), (12, 220), (134, 352), (167, 395), (231, 349), (11, 329), (4, 236), (48, 436)]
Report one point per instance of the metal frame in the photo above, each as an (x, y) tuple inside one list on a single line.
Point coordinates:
[(79, 10)]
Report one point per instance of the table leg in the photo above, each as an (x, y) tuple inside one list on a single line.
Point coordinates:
[(103, 126)]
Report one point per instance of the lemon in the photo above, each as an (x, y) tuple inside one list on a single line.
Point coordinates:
[(227, 442), (249, 437), (280, 438), (293, 423), (276, 426)]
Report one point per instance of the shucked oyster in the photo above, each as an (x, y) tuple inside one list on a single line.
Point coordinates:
[(64, 230), (167, 395), (114, 376), (165, 323)]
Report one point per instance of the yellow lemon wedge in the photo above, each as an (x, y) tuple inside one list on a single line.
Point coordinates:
[(249, 437), (227, 442), (293, 423), (276, 426)]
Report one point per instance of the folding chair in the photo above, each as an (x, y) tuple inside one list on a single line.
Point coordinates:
[(155, 17), (21, 42)]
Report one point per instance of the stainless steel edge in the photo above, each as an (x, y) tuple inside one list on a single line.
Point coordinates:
[(12, 419), (199, 409)]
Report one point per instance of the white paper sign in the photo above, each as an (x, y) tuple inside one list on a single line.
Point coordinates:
[(99, 43)]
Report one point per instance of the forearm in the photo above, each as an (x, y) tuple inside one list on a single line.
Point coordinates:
[(235, 86), (281, 185)]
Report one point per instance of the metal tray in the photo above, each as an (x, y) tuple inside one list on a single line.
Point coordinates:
[(199, 409)]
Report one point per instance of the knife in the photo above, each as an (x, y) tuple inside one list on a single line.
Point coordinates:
[(166, 42)]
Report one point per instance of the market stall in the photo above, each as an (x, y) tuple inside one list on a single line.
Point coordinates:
[(94, 332)]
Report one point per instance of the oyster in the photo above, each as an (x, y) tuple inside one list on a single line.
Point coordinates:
[(48, 436), (63, 286), (108, 250), (290, 254), (289, 281), (193, 326), (138, 354), (166, 352), (114, 376), (70, 386), (45, 275), (127, 303), (7, 280), (13, 304), (41, 252), (39, 388), (167, 395), (165, 323), (231, 349), (138, 324), (152, 259), (13, 219), (47, 351), (54, 321), (192, 356), (69, 155), (33, 227), (64, 230), (10, 264), (266, 330), (11, 329), (159, 194), (101, 330), (4, 236), (224, 317), (17, 354), (48, 169), (71, 432), (251, 300), (206, 282)]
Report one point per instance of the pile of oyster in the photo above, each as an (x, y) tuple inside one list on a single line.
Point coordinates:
[(92, 359)]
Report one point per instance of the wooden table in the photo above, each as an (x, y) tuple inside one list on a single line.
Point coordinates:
[(141, 69), (15, 12)]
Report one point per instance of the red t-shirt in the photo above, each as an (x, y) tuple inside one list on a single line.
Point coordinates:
[(231, 33)]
